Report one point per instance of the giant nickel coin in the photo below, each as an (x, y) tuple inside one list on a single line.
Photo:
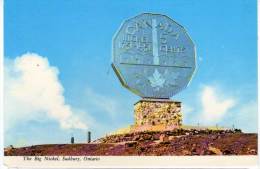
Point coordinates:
[(153, 56)]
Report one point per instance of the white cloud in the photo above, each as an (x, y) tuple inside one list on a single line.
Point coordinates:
[(32, 90), (214, 105)]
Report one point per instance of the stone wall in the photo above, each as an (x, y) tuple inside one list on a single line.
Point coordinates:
[(157, 113)]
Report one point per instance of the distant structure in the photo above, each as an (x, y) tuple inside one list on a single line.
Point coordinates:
[(89, 136), (72, 140), (233, 127)]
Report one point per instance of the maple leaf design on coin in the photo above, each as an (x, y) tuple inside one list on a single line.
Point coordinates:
[(156, 81)]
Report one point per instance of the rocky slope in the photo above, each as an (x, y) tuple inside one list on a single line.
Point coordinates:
[(176, 142)]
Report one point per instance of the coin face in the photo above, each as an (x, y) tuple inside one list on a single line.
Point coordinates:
[(153, 56)]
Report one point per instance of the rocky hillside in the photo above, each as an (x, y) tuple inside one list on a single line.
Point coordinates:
[(177, 142), (158, 135)]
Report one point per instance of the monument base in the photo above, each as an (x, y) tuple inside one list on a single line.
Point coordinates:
[(157, 114)]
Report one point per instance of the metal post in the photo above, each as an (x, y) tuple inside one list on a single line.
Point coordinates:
[(89, 136), (72, 140)]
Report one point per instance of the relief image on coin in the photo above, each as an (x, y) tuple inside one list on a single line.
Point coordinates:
[(153, 56)]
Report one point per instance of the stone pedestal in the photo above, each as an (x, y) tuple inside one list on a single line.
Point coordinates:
[(152, 113)]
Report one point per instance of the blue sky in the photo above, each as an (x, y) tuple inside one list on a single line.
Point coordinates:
[(76, 36)]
